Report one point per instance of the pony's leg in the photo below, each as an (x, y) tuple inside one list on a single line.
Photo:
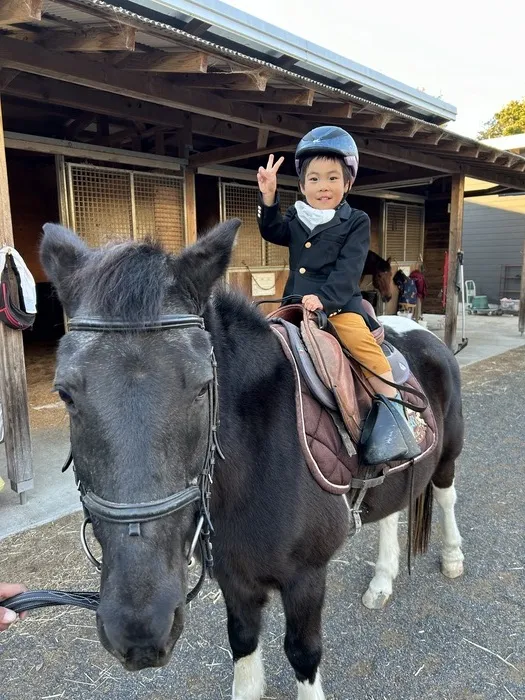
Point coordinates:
[(451, 554), (244, 626), (303, 604), (387, 565)]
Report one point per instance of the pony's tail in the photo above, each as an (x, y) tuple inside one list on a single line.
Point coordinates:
[(421, 521)]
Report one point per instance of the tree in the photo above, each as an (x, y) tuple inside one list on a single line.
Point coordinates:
[(509, 120)]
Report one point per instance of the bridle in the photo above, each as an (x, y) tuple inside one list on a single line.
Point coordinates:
[(134, 514)]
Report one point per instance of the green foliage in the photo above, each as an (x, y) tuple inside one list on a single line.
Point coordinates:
[(509, 120)]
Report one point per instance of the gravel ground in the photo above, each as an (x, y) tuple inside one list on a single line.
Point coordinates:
[(437, 639)]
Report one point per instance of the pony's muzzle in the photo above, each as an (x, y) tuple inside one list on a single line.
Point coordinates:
[(140, 640)]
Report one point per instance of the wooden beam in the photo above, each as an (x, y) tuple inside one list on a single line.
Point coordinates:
[(120, 38), (326, 110), (376, 147), (13, 385), (160, 149), (407, 131), (42, 144), (243, 150), (77, 97), (16, 11), (190, 206), (262, 138), (280, 96), (102, 130), (374, 163), (242, 80), (81, 71), (470, 151), (184, 137), (387, 179), (373, 121), (508, 178), (163, 62), (430, 139), (77, 126), (454, 246), (6, 77)]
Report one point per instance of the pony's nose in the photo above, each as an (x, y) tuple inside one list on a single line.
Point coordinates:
[(139, 641)]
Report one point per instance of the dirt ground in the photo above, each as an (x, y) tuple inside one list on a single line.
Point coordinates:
[(45, 408), (437, 639)]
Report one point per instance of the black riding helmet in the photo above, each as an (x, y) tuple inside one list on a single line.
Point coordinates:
[(328, 140)]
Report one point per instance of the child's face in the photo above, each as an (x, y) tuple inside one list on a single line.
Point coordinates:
[(324, 186)]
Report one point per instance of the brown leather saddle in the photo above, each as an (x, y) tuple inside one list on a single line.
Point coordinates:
[(333, 399)]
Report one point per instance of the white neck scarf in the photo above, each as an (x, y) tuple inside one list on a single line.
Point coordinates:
[(313, 217)]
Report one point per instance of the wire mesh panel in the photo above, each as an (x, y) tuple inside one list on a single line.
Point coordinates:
[(108, 204), (251, 250), (277, 255), (241, 201), (159, 209), (100, 201)]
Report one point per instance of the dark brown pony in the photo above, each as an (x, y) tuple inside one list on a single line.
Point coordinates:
[(381, 272)]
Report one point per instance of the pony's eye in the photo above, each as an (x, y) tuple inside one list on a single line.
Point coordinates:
[(203, 392), (66, 398)]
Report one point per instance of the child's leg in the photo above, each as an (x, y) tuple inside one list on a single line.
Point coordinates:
[(356, 336)]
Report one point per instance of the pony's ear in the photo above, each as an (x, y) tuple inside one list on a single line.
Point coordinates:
[(199, 267), (62, 253)]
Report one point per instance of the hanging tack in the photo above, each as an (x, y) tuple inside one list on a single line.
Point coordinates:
[(134, 530)]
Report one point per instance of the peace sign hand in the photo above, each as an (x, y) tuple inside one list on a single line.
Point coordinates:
[(267, 179)]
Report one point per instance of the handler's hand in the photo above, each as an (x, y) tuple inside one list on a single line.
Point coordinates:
[(7, 616)]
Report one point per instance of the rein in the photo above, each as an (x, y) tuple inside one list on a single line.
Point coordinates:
[(134, 514)]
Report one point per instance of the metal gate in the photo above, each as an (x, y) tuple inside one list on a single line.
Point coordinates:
[(252, 251), (106, 204)]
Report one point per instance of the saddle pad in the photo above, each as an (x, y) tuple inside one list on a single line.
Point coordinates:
[(330, 464)]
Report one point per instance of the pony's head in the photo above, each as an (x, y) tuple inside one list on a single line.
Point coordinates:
[(139, 403)]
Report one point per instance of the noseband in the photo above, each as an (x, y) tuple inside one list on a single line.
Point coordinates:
[(134, 514)]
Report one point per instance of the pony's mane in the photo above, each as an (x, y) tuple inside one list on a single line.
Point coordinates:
[(128, 281)]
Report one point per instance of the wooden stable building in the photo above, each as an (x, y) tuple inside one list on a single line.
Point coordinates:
[(151, 118)]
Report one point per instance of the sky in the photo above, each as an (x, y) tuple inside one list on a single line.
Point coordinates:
[(471, 54)]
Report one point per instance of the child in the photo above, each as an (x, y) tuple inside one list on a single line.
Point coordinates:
[(328, 242)]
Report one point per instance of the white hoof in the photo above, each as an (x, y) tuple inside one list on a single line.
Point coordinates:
[(248, 677), (452, 569), (375, 600), (311, 691)]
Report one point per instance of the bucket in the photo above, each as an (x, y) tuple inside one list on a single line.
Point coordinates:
[(480, 302)]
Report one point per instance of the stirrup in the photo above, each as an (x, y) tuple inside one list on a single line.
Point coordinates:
[(386, 436)]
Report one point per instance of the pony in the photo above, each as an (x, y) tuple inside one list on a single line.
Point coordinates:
[(153, 337), (381, 271)]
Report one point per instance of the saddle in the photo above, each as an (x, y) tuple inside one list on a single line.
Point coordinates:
[(333, 399)]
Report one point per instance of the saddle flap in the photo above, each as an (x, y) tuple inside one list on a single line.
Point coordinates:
[(334, 369)]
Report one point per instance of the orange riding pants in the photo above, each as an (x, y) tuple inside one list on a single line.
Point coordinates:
[(357, 337)]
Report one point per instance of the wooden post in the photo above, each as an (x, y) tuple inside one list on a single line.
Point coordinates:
[(521, 320), (454, 245), (13, 386), (190, 206)]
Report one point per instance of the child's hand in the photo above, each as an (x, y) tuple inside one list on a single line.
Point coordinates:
[(311, 302), (267, 179)]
